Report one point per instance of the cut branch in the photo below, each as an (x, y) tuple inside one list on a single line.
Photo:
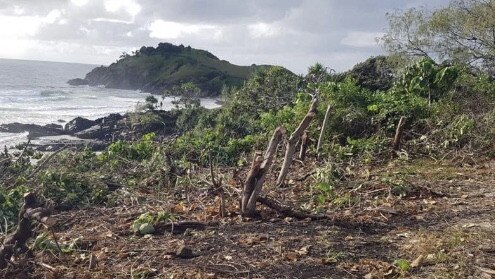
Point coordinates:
[(322, 132), (398, 133), (256, 177), (294, 138), (287, 210)]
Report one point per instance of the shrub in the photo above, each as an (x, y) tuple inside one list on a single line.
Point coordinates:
[(67, 189)]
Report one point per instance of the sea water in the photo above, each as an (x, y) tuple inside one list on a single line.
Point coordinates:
[(36, 92)]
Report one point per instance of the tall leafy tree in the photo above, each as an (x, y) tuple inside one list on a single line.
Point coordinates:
[(463, 32)]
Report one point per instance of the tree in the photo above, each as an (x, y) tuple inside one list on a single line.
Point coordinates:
[(188, 94), (267, 90), (462, 32), (151, 102), (376, 73)]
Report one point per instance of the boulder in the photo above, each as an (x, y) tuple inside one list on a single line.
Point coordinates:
[(78, 81), (94, 132), (35, 131), (78, 124), (111, 118)]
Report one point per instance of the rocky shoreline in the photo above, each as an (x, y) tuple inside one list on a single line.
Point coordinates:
[(96, 134)]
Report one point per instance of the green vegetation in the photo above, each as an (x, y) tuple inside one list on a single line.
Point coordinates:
[(448, 107), (167, 67)]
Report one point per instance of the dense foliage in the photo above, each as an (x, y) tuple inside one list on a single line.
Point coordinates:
[(462, 33), (168, 66)]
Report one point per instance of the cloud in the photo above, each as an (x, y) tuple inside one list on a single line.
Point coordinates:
[(291, 33), (80, 3), (129, 6), (172, 30), (361, 39), (261, 29)]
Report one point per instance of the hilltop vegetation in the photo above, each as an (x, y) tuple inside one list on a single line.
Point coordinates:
[(160, 69)]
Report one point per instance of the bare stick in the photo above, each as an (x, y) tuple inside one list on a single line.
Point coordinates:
[(322, 132), (218, 189), (294, 137), (304, 145), (42, 164), (398, 133)]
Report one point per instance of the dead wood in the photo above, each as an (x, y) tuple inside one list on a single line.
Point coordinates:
[(18, 239), (322, 132), (304, 177), (287, 210), (398, 133), (218, 189), (257, 174), (304, 145), (292, 142), (181, 227)]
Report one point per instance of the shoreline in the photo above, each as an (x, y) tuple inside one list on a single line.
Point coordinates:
[(83, 132)]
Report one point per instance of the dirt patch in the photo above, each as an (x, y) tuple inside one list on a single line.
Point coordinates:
[(445, 217)]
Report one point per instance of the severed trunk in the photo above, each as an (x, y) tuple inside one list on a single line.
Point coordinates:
[(294, 138), (257, 174), (19, 238), (304, 145)]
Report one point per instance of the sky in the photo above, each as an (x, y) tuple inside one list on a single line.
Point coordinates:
[(291, 33)]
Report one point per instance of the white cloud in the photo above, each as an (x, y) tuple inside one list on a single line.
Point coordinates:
[(85, 30), (129, 6), (113, 20), (261, 29), (172, 30), (52, 16), (361, 39), (12, 27), (80, 3), (19, 11)]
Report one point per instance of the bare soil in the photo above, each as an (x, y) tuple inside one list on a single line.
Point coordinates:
[(438, 221)]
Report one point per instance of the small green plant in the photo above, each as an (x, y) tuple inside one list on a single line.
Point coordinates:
[(141, 150), (459, 131), (399, 186), (146, 222), (403, 265), (343, 200), (10, 202), (44, 243)]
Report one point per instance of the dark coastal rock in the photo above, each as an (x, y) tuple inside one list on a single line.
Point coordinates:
[(94, 132), (54, 126), (111, 118), (35, 131), (97, 134), (78, 124), (53, 144), (78, 81)]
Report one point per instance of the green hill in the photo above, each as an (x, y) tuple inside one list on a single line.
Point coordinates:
[(158, 69)]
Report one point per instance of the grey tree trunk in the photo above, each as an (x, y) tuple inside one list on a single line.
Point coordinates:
[(256, 177), (294, 138)]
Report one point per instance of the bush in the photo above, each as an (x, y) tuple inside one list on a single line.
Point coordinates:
[(67, 189)]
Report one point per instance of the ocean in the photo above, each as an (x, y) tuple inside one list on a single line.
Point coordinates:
[(36, 92)]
